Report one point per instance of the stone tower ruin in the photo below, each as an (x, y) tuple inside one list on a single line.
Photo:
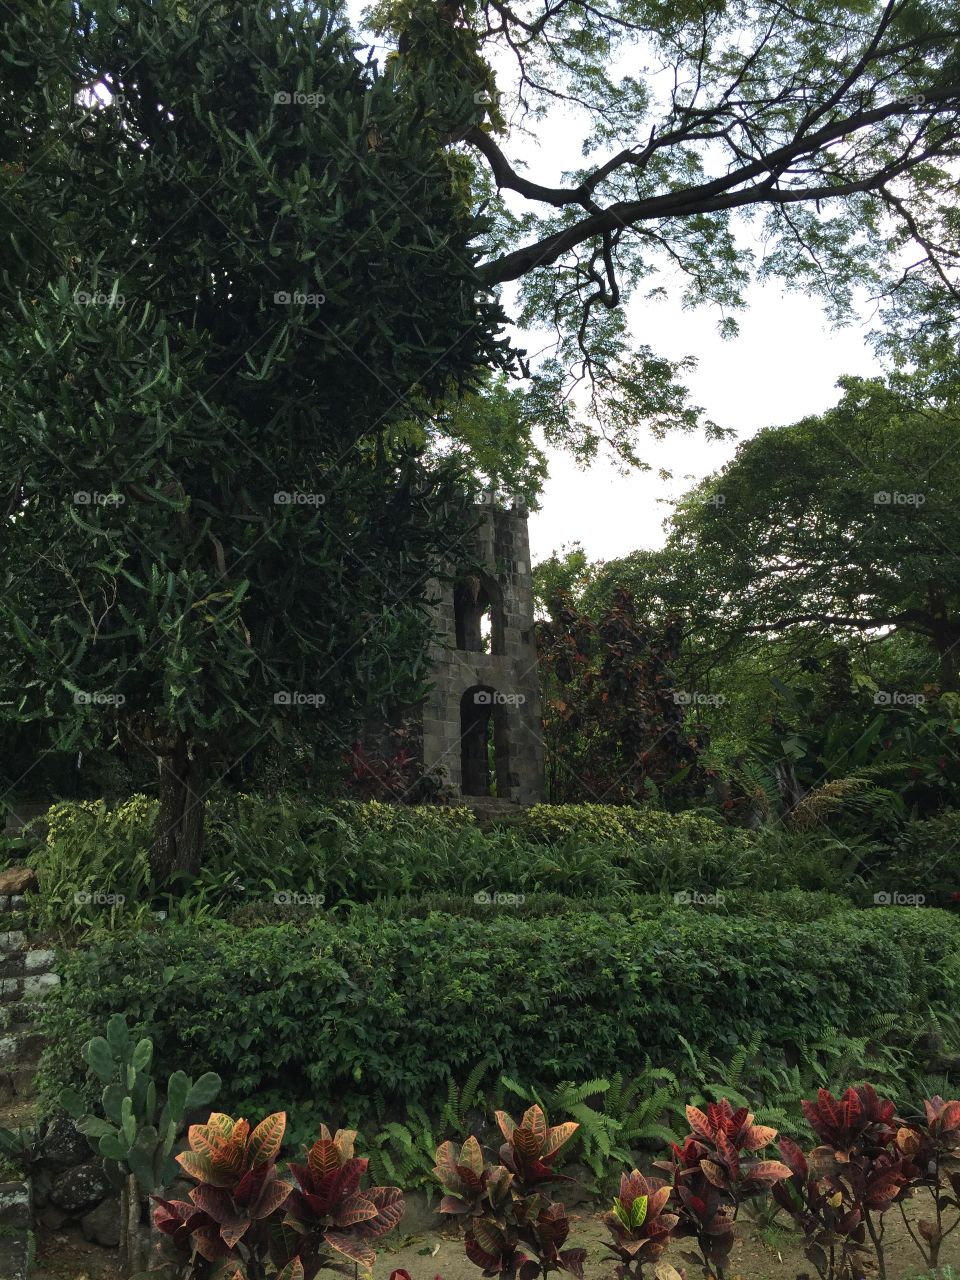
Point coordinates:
[(481, 723)]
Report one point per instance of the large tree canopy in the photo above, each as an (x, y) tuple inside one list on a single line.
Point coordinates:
[(834, 126), (230, 265), (845, 523)]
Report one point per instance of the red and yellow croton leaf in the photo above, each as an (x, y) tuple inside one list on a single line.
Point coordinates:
[(351, 1247), (292, 1271), (267, 1139)]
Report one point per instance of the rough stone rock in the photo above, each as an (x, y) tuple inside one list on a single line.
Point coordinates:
[(40, 1183), (63, 1144), (419, 1216), (77, 1190), (14, 1255), (51, 1218), (14, 1204), (17, 880), (102, 1224)]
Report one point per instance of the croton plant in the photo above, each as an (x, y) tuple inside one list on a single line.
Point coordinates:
[(716, 1168), (867, 1161), (250, 1222), (514, 1229), (246, 1220)]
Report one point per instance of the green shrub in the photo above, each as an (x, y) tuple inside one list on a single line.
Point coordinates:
[(349, 1015), (600, 822), (925, 859), (94, 862), (348, 853), (375, 818)]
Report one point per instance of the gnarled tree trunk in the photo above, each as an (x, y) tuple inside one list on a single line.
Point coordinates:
[(178, 840)]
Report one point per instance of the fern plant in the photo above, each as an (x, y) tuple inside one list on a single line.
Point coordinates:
[(639, 1104), (461, 1101), (403, 1154)]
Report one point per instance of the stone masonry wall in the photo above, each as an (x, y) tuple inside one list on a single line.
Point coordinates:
[(503, 548)]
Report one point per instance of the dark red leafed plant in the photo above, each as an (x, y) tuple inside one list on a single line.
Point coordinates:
[(640, 1226), (380, 777), (857, 1121), (858, 1158), (250, 1223), (715, 1169), (931, 1158), (829, 1218), (514, 1229), (867, 1161), (328, 1210)]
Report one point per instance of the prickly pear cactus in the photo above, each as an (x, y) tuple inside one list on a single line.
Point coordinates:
[(130, 1136)]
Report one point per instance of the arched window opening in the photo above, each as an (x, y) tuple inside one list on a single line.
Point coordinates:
[(478, 615)]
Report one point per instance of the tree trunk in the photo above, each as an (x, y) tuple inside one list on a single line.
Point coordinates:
[(946, 638), (178, 840)]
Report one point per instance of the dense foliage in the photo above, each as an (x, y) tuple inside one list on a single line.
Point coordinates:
[(614, 727), (220, 289), (276, 860), (354, 1008)]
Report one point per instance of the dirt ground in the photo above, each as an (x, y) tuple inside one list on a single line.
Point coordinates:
[(764, 1253)]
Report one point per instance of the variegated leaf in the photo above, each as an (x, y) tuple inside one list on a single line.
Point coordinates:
[(471, 1156), (557, 1137), (324, 1157), (195, 1166), (699, 1123), (507, 1125), (536, 1122), (292, 1271), (215, 1202), (275, 1194), (221, 1122), (344, 1142), (714, 1174), (267, 1139), (351, 1247), (758, 1136), (355, 1208), (769, 1171), (233, 1232)]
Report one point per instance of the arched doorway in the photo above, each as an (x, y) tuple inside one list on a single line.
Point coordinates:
[(484, 744)]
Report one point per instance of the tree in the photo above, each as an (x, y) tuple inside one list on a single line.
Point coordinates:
[(230, 257), (836, 128), (614, 727), (844, 523)]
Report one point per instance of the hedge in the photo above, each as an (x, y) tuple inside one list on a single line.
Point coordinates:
[(790, 904), (354, 1014), (362, 853)]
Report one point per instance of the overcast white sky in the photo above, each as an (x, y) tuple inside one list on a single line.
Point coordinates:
[(784, 365)]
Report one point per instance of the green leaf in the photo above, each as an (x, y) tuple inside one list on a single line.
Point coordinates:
[(112, 1102), (142, 1054), (113, 1148), (203, 1091), (72, 1103), (99, 1057), (128, 1122), (638, 1212), (94, 1127), (118, 1035), (178, 1087)]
